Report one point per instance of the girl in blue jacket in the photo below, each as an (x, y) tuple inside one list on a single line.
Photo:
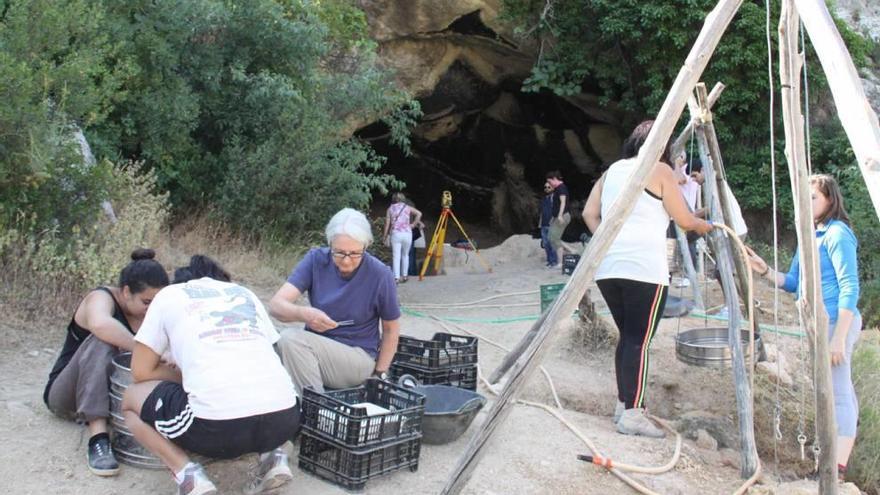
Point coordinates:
[(839, 271)]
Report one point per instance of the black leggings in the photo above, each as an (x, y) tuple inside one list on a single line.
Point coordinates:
[(636, 308)]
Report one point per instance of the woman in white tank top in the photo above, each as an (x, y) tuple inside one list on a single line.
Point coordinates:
[(634, 276)]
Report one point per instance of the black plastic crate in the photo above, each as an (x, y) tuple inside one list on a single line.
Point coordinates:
[(456, 376), (444, 349), (336, 416), (351, 468), (569, 262)]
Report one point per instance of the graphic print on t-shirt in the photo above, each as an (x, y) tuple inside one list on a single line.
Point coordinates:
[(232, 314)]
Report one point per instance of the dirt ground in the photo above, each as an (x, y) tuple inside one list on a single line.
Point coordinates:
[(530, 453)]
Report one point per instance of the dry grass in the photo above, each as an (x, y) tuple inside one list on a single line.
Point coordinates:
[(252, 262)]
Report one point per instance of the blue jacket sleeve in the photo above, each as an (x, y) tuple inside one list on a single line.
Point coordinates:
[(841, 244), (794, 273)]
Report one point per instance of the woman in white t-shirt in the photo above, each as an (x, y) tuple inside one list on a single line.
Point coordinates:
[(634, 274), (400, 219), (226, 395)]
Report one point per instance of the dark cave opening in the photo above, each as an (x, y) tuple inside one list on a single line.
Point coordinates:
[(491, 147)]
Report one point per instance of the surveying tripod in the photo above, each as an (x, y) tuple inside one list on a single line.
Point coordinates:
[(435, 249)]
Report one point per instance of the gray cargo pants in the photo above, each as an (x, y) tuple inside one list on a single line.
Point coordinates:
[(82, 390)]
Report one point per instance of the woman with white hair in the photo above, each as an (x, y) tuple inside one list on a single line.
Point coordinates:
[(350, 293)]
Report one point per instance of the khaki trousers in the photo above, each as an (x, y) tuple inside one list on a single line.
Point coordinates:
[(317, 361)]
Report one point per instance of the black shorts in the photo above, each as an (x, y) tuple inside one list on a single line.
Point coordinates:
[(167, 410)]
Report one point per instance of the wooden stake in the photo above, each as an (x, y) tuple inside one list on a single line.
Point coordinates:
[(855, 113), (812, 308), (713, 28), (720, 209)]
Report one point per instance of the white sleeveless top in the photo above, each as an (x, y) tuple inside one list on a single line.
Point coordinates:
[(639, 251)]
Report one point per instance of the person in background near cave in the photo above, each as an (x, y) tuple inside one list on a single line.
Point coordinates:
[(544, 217), (351, 294), (228, 395), (103, 325), (560, 217), (400, 220), (634, 274), (839, 271)]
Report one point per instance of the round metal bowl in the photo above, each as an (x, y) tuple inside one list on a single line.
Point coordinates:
[(708, 346), (448, 412)]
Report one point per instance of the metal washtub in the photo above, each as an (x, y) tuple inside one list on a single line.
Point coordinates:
[(708, 346), (126, 448)]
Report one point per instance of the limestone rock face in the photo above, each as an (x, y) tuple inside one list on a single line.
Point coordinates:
[(864, 17)]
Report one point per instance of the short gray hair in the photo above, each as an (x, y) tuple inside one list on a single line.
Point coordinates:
[(352, 223)]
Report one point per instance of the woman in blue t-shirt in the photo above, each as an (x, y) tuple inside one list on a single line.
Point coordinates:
[(351, 296), (839, 271)]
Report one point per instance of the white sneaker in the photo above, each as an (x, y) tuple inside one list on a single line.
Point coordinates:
[(723, 313), (196, 482), (634, 422), (684, 282), (271, 472), (618, 411)]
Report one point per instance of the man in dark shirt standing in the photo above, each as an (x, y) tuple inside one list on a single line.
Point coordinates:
[(560, 217), (544, 224)]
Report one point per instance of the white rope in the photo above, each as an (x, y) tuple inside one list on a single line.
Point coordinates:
[(777, 406), (475, 306), (478, 301)]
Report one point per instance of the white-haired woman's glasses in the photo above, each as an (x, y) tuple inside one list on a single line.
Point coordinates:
[(341, 255)]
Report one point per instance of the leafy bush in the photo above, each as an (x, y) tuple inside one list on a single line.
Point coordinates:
[(207, 94), (46, 265)]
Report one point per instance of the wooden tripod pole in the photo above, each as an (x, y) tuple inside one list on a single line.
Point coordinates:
[(723, 255), (810, 303), (713, 28)]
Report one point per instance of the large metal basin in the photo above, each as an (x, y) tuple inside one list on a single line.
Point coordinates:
[(708, 346), (126, 448)]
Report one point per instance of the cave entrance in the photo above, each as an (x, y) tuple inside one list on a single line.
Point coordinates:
[(491, 146)]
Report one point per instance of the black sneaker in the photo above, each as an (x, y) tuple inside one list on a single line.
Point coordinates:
[(100, 456)]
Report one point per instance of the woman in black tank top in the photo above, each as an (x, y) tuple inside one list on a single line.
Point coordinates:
[(102, 326)]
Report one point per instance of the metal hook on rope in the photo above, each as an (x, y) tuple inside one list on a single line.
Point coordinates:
[(777, 424)]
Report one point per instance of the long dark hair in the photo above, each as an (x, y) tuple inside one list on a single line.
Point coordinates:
[(829, 188), (637, 138), (201, 266), (143, 272)]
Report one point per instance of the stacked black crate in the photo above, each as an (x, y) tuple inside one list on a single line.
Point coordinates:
[(446, 359), (350, 436)]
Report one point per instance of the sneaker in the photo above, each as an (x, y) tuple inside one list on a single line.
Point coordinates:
[(618, 411), (723, 313), (196, 482), (100, 457), (684, 282), (553, 266), (271, 472), (634, 422)]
